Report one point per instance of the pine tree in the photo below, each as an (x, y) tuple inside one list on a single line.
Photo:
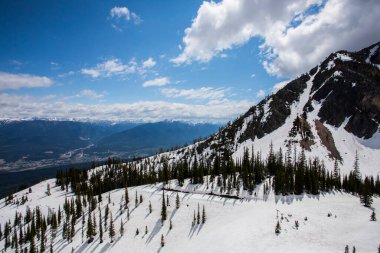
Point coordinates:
[(90, 232), (356, 167), (150, 207), (373, 216), (106, 217), (137, 232), (194, 219), (278, 228), (121, 228), (136, 200), (43, 238), (353, 249), (126, 196), (198, 216), (170, 225), (141, 198), (203, 215), (100, 227), (366, 195), (162, 241), (94, 224), (163, 208), (167, 200), (346, 249), (177, 203), (48, 190), (111, 229), (32, 248), (146, 229)]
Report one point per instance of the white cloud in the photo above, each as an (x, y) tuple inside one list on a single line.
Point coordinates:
[(287, 49), (17, 81), (205, 93), (109, 68), (159, 81), (149, 63), (260, 94), (27, 107), (124, 13), (90, 94)]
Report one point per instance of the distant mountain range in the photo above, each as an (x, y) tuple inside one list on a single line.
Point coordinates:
[(41, 143)]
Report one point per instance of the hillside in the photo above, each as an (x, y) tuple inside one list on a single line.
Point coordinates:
[(231, 225), (331, 112)]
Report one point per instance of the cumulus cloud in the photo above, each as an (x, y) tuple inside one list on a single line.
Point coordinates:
[(159, 81), (90, 94), (124, 13), (204, 93), (110, 68), (294, 37), (27, 107), (9, 81), (260, 94), (149, 63)]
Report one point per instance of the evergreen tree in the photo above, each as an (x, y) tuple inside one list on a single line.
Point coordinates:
[(150, 207), (136, 200), (163, 208), (146, 229), (177, 203), (198, 216), (137, 231), (141, 198), (278, 228), (126, 196), (346, 249), (203, 215), (48, 190), (356, 167), (162, 241), (170, 225), (111, 229), (121, 228), (366, 195), (373, 216), (90, 232), (100, 226), (32, 248), (167, 200), (42, 240)]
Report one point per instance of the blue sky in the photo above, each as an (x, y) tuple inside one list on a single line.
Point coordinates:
[(154, 60)]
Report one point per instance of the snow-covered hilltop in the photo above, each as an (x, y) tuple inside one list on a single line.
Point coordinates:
[(326, 223)]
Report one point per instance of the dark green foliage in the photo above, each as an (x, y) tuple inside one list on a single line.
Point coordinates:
[(163, 208), (177, 203), (278, 228), (111, 230), (373, 216)]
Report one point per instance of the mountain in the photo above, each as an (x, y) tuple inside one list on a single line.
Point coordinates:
[(36, 140), (331, 112), (151, 137), (44, 143), (198, 198)]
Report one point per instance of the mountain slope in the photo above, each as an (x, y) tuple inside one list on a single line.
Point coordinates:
[(231, 225), (332, 111), (151, 137)]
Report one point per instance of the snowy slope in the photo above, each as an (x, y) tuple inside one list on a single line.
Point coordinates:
[(342, 94), (233, 225)]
